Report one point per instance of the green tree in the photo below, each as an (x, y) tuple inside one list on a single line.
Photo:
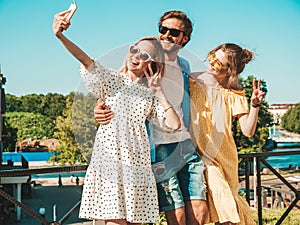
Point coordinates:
[(13, 103), (32, 103), (52, 105), (264, 120), (76, 130), (23, 125), (84, 124), (9, 137), (291, 119)]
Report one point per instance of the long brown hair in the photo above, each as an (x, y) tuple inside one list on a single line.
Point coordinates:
[(159, 57), (237, 58)]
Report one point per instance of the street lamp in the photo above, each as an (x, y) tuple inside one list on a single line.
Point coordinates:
[(2, 111)]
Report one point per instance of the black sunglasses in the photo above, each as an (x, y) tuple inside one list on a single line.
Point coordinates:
[(173, 32)]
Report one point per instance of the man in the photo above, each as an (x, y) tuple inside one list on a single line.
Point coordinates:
[(178, 167)]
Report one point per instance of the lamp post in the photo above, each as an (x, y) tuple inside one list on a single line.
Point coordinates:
[(2, 111)]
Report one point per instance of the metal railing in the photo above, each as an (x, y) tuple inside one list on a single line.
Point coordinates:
[(261, 158), (28, 172), (246, 163)]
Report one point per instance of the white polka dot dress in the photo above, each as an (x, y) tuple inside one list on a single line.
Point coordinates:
[(119, 182)]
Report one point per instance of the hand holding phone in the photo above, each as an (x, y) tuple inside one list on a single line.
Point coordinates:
[(72, 8)]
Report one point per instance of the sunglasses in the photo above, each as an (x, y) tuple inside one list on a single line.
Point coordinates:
[(216, 62), (173, 32), (141, 55)]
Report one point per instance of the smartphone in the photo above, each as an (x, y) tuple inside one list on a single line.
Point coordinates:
[(153, 67), (73, 8)]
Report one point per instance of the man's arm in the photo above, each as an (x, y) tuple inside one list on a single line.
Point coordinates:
[(101, 114)]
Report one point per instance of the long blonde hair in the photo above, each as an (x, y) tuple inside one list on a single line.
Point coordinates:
[(237, 58), (158, 57)]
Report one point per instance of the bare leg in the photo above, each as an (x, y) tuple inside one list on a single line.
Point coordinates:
[(176, 216), (196, 212)]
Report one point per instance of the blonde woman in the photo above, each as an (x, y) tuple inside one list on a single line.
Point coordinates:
[(120, 186), (218, 98)]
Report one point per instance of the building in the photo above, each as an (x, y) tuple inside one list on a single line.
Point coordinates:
[(29, 145), (278, 110)]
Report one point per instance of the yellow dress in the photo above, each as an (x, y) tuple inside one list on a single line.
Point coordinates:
[(212, 110)]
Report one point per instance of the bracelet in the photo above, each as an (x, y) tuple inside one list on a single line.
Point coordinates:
[(256, 105), (168, 108)]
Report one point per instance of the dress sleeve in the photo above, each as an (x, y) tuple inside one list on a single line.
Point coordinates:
[(100, 81), (239, 103), (157, 114)]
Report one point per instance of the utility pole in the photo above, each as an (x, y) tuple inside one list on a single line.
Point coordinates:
[(2, 111)]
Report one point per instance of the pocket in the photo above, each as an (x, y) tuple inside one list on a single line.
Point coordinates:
[(163, 151)]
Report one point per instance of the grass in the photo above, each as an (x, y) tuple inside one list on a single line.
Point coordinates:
[(270, 217)]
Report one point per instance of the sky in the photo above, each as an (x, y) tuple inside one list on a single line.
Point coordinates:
[(34, 61)]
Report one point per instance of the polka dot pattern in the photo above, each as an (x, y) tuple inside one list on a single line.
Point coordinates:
[(119, 182)]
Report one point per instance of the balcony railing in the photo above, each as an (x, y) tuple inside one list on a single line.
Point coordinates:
[(29, 172), (246, 163), (260, 159)]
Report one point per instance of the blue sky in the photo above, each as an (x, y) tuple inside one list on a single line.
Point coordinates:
[(34, 61)]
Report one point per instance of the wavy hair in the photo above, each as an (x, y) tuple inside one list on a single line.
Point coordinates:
[(237, 58)]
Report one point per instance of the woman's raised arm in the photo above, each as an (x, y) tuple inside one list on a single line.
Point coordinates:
[(60, 23)]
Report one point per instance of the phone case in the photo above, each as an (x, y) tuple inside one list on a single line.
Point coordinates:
[(73, 8)]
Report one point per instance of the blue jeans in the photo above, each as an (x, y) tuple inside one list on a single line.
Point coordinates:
[(179, 174)]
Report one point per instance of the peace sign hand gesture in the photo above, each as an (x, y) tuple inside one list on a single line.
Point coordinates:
[(154, 81), (257, 94)]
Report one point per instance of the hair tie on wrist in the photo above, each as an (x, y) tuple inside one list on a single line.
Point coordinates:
[(256, 105)]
